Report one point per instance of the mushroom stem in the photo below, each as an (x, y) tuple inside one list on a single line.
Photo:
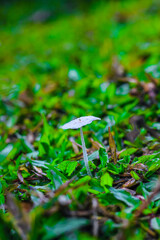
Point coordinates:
[(85, 153)]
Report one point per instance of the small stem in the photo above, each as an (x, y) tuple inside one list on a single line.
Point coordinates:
[(85, 153)]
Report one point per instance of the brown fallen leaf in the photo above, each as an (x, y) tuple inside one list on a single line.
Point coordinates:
[(154, 146), (117, 70), (20, 177), (150, 89), (50, 87), (120, 181), (137, 123), (63, 187), (140, 197), (95, 145), (139, 166), (23, 168), (128, 80), (153, 132), (152, 79), (131, 182), (26, 206), (112, 146), (26, 97), (38, 171), (75, 145), (146, 88), (30, 137), (121, 17)]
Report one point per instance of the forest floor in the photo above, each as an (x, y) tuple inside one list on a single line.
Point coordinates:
[(59, 63)]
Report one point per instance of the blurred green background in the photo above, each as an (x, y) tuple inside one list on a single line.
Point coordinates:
[(55, 54)]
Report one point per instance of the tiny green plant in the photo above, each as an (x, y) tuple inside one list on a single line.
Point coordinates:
[(79, 123)]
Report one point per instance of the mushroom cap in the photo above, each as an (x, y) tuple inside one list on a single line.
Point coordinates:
[(79, 122)]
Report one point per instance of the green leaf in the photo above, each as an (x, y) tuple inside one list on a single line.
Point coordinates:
[(154, 166), (114, 168), (145, 158), (134, 175), (127, 152), (64, 226), (44, 145), (155, 223), (103, 157), (95, 186), (4, 153), (125, 197), (67, 166), (106, 179), (46, 138), (93, 156), (81, 181), (39, 163), (56, 177)]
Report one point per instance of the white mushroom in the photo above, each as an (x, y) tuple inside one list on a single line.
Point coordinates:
[(79, 123)]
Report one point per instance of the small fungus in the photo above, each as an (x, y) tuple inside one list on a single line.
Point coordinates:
[(79, 123)]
